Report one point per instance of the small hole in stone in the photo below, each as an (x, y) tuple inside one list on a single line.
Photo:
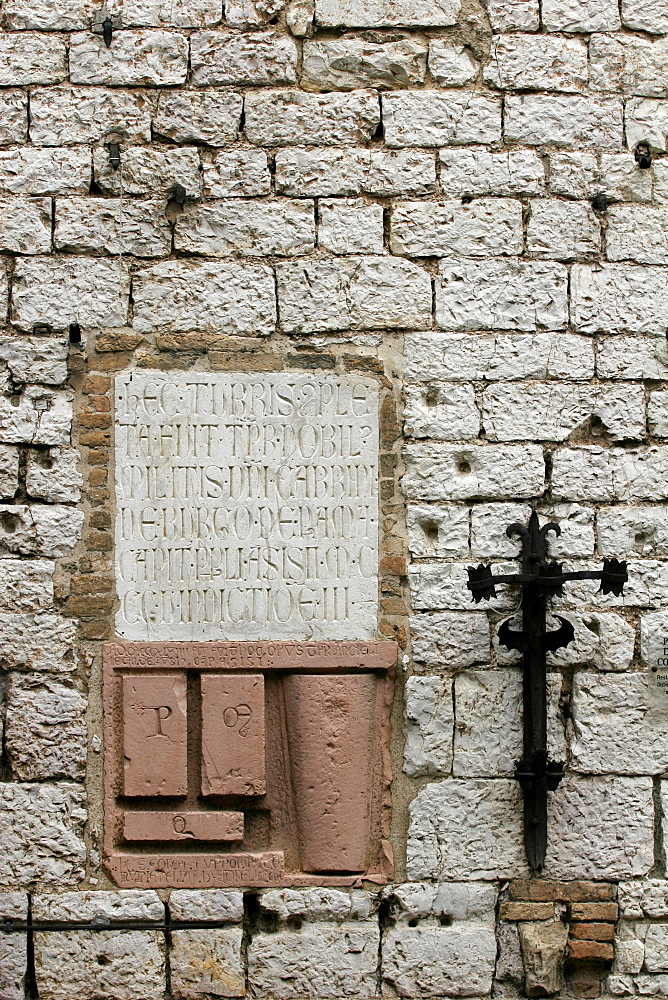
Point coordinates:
[(593, 626), (45, 462), (431, 397), (413, 922), (430, 529), (467, 199), (445, 921), (463, 466), (9, 522), (15, 400), (103, 960), (75, 333), (294, 923)]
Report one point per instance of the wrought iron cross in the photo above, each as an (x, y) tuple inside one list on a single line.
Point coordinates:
[(539, 580)]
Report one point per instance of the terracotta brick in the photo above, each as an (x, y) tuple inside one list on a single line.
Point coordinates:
[(543, 890), (95, 438), (98, 456), (526, 911), (389, 423), (113, 362), (90, 584), (244, 361), (393, 564), (588, 951), (593, 932), (96, 384), (594, 911)]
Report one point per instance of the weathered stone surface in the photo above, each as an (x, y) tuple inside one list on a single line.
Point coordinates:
[(351, 63), (353, 293), (42, 828), (455, 472), (430, 118), (562, 230), (13, 117), (9, 471), (451, 65), (39, 642), (513, 15), (242, 173), (13, 947), (477, 171), (600, 828), (646, 120), (623, 180), (60, 291), (645, 15), (429, 960), (25, 225), (45, 730), (466, 830), (632, 531), (428, 726), (593, 473), (146, 170), (38, 416), (490, 541), (537, 62), (38, 171), (64, 117), (638, 233), (26, 585), (485, 228), (653, 629), (445, 412), (619, 297), (632, 357), (629, 64), (76, 15), (450, 639), (121, 904), (235, 299), (221, 905), (212, 117), (255, 13), (247, 228), (35, 359), (207, 963), (543, 950), (54, 475), (602, 640), (501, 295), (318, 904), (657, 413), (438, 530), (563, 121), (286, 117), (350, 226), (129, 965), (581, 15), (574, 174), (31, 58), (112, 226), (386, 13), (646, 897), (39, 529), (134, 58), (322, 172), (222, 58), (436, 586)]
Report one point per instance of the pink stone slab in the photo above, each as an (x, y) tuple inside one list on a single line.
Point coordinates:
[(183, 826), (189, 871), (233, 734), (154, 735)]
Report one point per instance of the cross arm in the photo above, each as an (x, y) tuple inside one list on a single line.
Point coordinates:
[(482, 582)]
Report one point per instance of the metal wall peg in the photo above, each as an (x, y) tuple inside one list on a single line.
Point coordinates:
[(540, 580)]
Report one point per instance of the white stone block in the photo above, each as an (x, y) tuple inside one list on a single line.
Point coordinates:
[(386, 13), (638, 233), (633, 531), (246, 228), (29, 57), (212, 117), (485, 228), (319, 904), (593, 473), (501, 295), (447, 412), (455, 472), (645, 15), (428, 726), (428, 961), (623, 180), (66, 117), (600, 828), (120, 904), (363, 293), (9, 471), (444, 585), (255, 13), (574, 174), (477, 171), (657, 413), (646, 120), (581, 15), (537, 62), (128, 965), (54, 475), (40, 15), (646, 897), (235, 299), (660, 192), (35, 359), (431, 118), (632, 357), (40, 642), (455, 901), (292, 118), (490, 541), (147, 170), (265, 58), (13, 947), (134, 58), (242, 173), (13, 117), (322, 172), (513, 15), (438, 531), (25, 225), (449, 639), (219, 905), (602, 640), (206, 963), (59, 291), (451, 65), (26, 584), (467, 830), (646, 587), (113, 226), (350, 226), (37, 416), (563, 230), (45, 729), (39, 171), (351, 63), (39, 530), (619, 298), (77, 15), (41, 826), (629, 64), (656, 942), (543, 119)]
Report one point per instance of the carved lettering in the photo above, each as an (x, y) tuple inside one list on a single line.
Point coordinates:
[(154, 734), (233, 734)]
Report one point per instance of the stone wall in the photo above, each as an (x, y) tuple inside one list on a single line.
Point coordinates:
[(467, 204)]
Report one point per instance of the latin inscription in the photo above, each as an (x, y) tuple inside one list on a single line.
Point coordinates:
[(247, 506), (233, 734)]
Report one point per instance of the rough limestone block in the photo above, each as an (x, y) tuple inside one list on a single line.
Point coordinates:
[(39, 529), (490, 541), (37, 416), (466, 830), (35, 359), (120, 904), (430, 118), (593, 473), (629, 64), (351, 63), (246, 228), (623, 180), (513, 15), (128, 965), (41, 827), (25, 225), (646, 897), (263, 58), (40, 15), (477, 171), (537, 62), (220, 905), (632, 357), (456, 901), (646, 588), (575, 174), (656, 941), (38, 642), (54, 475), (543, 949), (65, 117), (657, 413), (349, 226), (429, 960), (13, 947), (386, 13), (562, 230), (620, 298), (443, 586), (646, 120), (653, 630), (112, 226), (212, 117), (255, 13), (451, 65), (26, 584), (45, 729), (206, 963), (543, 119), (242, 173), (613, 730), (134, 58), (551, 412), (452, 472), (501, 295), (581, 15), (428, 726), (449, 639), (322, 172), (228, 298), (633, 531), (660, 188), (445, 412), (59, 291), (9, 471), (600, 828), (31, 58), (364, 293), (645, 15), (438, 531), (45, 171), (470, 357), (638, 233), (485, 228), (318, 904), (13, 117), (602, 640), (147, 170), (77, 15), (286, 117)]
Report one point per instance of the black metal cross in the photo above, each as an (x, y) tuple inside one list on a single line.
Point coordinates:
[(539, 580)]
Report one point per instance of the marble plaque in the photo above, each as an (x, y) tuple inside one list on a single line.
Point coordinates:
[(247, 506), (656, 654)]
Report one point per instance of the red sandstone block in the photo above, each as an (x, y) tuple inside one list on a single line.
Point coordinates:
[(233, 734), (154, 735), (593, 932), (183, 826), (594, 911), (587, 951)]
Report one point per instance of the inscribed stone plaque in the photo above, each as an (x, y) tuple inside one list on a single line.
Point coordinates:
[(656, 655), (247, 506), (154, 735), (233, 734)]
